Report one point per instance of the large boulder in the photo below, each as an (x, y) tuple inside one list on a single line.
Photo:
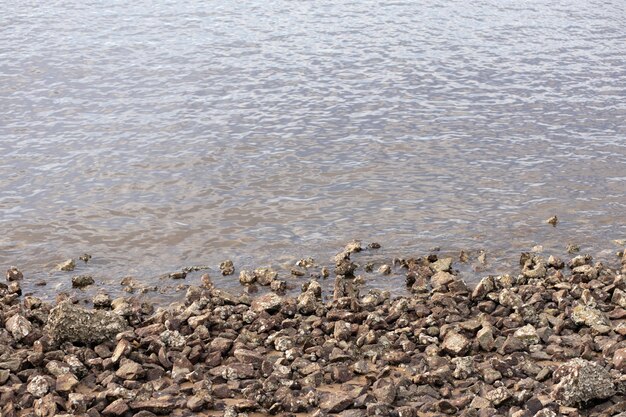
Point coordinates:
[(71, 323)]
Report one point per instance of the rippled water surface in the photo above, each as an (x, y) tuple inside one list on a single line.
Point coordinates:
[(157, 135)]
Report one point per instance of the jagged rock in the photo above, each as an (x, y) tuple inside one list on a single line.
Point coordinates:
[(307, 302), (527, 334), (598, 321), (81, 281), (68, 265), (484, 287), (334, 402), (129, 370), (14, 274), (67, 322), (265, 276), (19, 327), (38, 386), (455, 343), (579, 381), (246, 277), (268, 302), (227, 267)]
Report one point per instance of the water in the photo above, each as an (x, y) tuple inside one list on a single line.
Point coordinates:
[(157, 135)]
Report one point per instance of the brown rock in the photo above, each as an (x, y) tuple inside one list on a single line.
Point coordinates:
[(455, 343), (14, 274), (129, 370), (334, 402), (116, 408)]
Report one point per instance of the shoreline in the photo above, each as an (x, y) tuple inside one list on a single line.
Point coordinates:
[(546, 340)]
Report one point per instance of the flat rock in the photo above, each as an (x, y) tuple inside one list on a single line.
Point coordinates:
[(67, 322)]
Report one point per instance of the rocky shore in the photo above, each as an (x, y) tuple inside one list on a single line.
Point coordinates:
[(546, 340)]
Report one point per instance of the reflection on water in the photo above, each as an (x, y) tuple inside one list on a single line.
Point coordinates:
[(156, 136)]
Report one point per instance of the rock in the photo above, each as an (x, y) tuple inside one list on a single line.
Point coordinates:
[(66, 382), (579, 260), (68, 265), (384, 269), (498, 396), (227, 267), (455, 343), (334, 402), (485, 338), (508, 298), (101, 301), (534, 267), (619, 360), (268, 302), (307, 303), (265, 276), (178, 275), (553, 221), (588, 272), (161, 406), (129, 370), (591, 317), (116, 408), (484, 287), (85, 257), (441, 278), (14, 274), (464, 367), (579, 381), (442, 265), (246, 277), (19, 327), (67, 322), (345, 267), (81, 281), (527, 334), (38, 386)]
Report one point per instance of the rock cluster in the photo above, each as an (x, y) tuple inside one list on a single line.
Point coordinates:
[(546, 341)]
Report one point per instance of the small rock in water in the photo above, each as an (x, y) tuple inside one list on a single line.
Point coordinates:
[(68, 265), (227, 267), (246, 277), (384, 269), (81, 281), (85, 257), (552, 220), (374, 245), (265, 276), (178, 275), (572, 248), (306, 263), (354, 246), (14, 274), (463, 257)]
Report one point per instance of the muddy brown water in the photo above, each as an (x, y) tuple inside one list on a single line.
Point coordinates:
[(161, 135)]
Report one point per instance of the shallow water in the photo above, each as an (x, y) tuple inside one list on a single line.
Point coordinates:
[(160, 135)]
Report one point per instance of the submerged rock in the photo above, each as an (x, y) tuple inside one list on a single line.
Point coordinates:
[(68, 265), (67, 322), (227, 267), (81, 281), (14, 274)]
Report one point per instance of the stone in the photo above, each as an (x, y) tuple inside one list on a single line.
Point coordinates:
[(38, 386), (441, 278), (19, 326), (579, 381), (455, 343), (619, 360), (129, 370), (246, 277), (66, 382), (265, 276), (334, 402), (442, 265), (81, 281), (485, 338), (161, 406), (70, 323), (553, 221), (14, 274), (68, 265), (268, 302), (116, 408), (307, 303), (508, 298), (498, 396), (589, 316), (527, 334), (227, 267), (484, 287)]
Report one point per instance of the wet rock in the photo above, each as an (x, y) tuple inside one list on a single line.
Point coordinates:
[(246, 277), (455, 343), (227, 267), (67, 322), (85, 257), (178, 275), (81, 281), (374, 245), (384, 269), (101, 301), (484, 287), (19, 327), (68, 265), (265, 276), (442, 265), (578, 381), (553, 221), (591, 317), (345, 267), (14, 274)]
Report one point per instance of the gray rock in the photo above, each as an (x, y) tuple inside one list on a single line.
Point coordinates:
[(579, 381), (68, 265), (597, 320), (19, 327), (38, 386), (67, 322), (81, 281), (455, 344)]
